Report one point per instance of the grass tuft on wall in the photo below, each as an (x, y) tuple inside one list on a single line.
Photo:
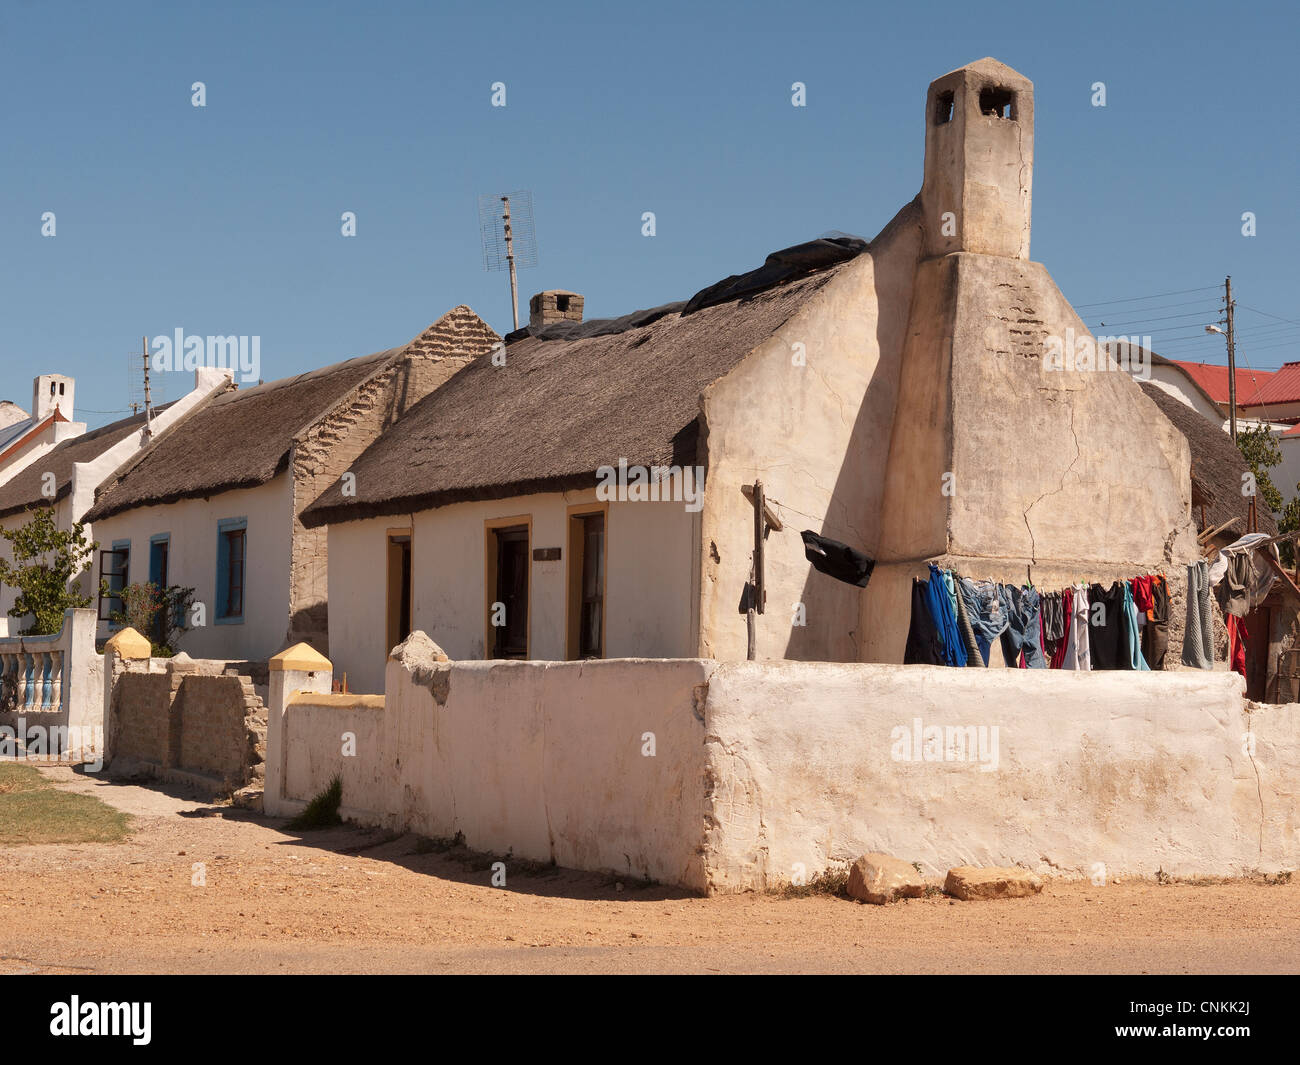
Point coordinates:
[(323, 810)]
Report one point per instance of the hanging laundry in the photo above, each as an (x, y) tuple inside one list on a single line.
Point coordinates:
[(1078, 651), (1052, 614), (950, 586), (1142, 594), (1022, 634), (1233, 590), (945, 618), (924, 644), (1198, 635), (1057, 659), (1243, 574), (974, 656), (1132, 638), (1106, 627), (986, 610), (1236, 643), (1155, 634), (836, 559)]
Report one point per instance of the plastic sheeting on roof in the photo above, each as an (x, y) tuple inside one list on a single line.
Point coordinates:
[(598, 327), (788, 264), (779, 267)]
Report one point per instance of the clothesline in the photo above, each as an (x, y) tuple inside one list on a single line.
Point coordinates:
[(955, 621)]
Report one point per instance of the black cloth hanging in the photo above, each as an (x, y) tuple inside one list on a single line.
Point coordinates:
[(836, 559), (1107, 628), (924, 642)]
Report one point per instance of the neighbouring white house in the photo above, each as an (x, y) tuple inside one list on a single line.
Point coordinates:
[(57, 463), (1201, 386), (857, 382), (1264, 397), (25, 437), (214, 504), (11, 415)]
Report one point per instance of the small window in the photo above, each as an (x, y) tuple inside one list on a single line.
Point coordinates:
[(943, 108), (60, 389), (561, 303), (998, 103), (114, 571), (232, 570)]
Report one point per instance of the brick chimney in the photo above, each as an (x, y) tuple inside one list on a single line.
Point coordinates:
[(554, 305)]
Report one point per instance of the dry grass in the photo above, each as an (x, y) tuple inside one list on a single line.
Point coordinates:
[(32, 810)]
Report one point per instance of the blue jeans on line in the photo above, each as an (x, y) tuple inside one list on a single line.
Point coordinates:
[(1022, 632)]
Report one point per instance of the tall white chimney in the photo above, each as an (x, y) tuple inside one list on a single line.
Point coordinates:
[(51, 391)]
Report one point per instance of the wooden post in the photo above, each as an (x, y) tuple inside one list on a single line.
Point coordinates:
[(757, 592), (760, 591)]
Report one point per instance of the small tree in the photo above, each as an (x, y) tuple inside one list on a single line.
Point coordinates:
[(1259, 447), (46, 560), (158, 613), (1289, 522), (140, 606)]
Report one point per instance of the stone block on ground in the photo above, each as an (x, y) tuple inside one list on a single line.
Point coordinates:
[(973, 883), (881, 878)]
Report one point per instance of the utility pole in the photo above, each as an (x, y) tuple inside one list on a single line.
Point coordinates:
[(1232, 361)]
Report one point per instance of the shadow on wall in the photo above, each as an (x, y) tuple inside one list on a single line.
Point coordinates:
[(832, 607), (310, 625)]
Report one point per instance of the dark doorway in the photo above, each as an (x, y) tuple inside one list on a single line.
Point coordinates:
[(510, 619), (1258, 625), (399, 588)]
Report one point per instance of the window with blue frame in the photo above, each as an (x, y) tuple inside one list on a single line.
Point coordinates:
[(159, 557), (114, 572), (232, 568)]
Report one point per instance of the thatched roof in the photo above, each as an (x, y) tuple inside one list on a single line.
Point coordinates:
[(1217, 466), (560, 409), (24, 489), (240, 439)]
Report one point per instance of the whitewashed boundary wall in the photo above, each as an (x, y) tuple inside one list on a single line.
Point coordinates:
[(746, 776)]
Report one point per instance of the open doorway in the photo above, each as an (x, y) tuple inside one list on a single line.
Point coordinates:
[(399, 586), (508, 591)]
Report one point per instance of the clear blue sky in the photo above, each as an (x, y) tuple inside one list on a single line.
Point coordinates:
[(225, 219)]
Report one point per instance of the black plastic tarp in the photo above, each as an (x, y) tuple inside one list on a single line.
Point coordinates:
[(788, 264)]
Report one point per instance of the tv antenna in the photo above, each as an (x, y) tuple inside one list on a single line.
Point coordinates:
[(141, 395), (509, 240)]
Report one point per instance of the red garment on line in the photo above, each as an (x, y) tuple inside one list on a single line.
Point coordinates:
[(1237, 636), (1142, 597)]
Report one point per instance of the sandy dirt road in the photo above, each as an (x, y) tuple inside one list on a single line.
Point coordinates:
[(354, 900)]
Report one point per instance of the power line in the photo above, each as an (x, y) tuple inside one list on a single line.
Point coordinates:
[(1156, 296), (1161, 306), (1148, 321), (1267, 315), (1279, 344)]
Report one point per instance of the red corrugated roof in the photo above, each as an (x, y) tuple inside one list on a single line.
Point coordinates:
[(1214, 380), (1281, 387)]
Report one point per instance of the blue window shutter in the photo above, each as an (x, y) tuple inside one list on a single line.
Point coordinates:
[(224, 526)]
